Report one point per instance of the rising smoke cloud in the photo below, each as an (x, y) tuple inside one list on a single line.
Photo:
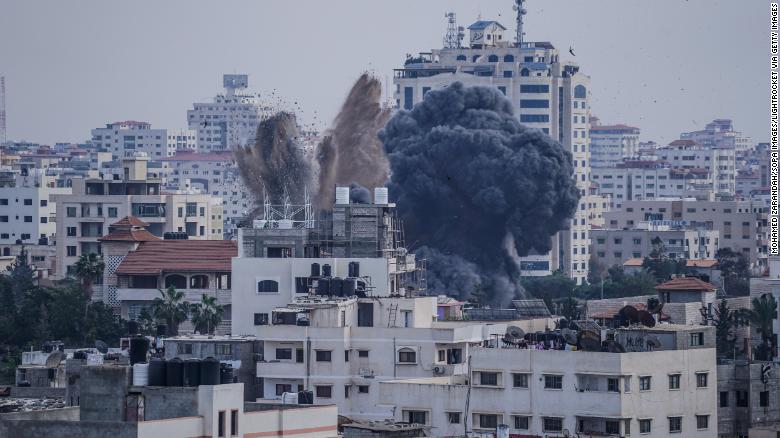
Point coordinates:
[(475, 188)]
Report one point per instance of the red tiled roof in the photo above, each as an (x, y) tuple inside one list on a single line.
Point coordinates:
[(633, 262), (701, 263), (682, 143), (126, 235), (155, 257), (130, 221), (686, 284)]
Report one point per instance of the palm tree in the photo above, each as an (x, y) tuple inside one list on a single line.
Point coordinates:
[(172, 308), (146, 322), (87, 269), (760, 316), (207, 314)]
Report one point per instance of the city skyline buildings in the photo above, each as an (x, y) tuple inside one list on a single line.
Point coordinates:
[(638, 92)]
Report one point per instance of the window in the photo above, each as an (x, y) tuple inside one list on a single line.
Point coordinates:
[(453, 417), (553, 381), (418, 417), (363, 389), (407, 355), (724, 399), (580, 92), (323, 391), (645, 426), (71, 231), (234, 422), (346, 390), (322, 355), (552, 424), (534, 103), (520, 422), (267, 286), (742, 399), (221, 423), (44, 220), (176, 280), (701, 380), (488, 421), (4, 201), (28, 202), (519, 380), (261, 319), (674, 381), (613, 384), (199, 282), (644, 383), (346, 355), (28, 218), (702, 421), (299, 355), (112, 212), (3, 218), (223, 349), (284, 353), (534, 88), (281, 388), (675, 424), (612, 427), (489, 379), (534, 118), (71, 251), (697, 339), (70, 211), (763, 399), (363, 353)]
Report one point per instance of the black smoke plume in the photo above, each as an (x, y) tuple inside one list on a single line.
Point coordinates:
[(275, 164), (359, 194), (476, 188)]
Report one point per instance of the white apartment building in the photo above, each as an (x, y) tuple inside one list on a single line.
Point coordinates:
[(719, 162), (739, 223), (614, 246), (720, 134), (125, 139), (182, 139), (646, 391), (546, 93), (611, 144), (230, 119), (84, 215), (638, 180), (215, 173)]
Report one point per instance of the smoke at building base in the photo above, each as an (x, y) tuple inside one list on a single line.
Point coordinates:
[(476, 188)]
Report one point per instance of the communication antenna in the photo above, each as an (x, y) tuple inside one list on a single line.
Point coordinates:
[(454, 34), (2, 110), (518, 7)]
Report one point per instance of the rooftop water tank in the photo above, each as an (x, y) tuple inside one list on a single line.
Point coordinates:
[(209, 371), (342, 195), (381, 196), (141, 374)]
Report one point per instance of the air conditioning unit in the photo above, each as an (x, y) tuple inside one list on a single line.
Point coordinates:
[(439, 369)]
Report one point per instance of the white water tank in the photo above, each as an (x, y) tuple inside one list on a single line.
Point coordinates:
[(141, 374), (381, 196), (258, 223), (289, 398), (342, 195)]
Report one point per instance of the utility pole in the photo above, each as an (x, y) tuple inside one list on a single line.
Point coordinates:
[(518, 7)]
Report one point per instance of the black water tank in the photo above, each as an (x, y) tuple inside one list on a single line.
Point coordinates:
[(305, 397), (132, 327), (191, 375), (349, 287), (174, 372), (209, 371), (336, 287), (225, 373), (354, 269), (326, 270), (139, 346), (315, 270), (323, 286), (157, 372)]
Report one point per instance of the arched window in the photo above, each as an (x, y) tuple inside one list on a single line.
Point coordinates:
[(176, 280), (461, 58), (407, 355), (580, 92), (199, 282), (493, 58), (509, 58), (525, 72), (474, 58), (267, 286)]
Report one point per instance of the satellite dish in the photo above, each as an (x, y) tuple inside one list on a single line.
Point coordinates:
[(646, 318), (589, 341), (653, 342), (514, 332), (569, 336), (54, 359), (101, 346)]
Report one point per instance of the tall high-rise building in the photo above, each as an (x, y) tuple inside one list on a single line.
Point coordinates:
[(125, 139), (720, 133), (546, 93), (611, 144), (229, 120)]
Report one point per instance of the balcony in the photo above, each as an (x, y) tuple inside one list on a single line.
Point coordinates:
[(280, 369)]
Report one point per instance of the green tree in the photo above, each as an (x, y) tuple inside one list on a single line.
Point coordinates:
[(147, 324), (660, 265), (570, 308), (550, 287), (171, 308), (760, 317), (735, 270), (207, 314), (87, 269), (725, 321)]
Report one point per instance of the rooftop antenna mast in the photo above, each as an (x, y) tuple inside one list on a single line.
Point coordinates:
[(454, 34), (518, 7), (2, 110)]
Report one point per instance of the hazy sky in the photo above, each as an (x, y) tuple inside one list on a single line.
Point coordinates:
[(70, 66)]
